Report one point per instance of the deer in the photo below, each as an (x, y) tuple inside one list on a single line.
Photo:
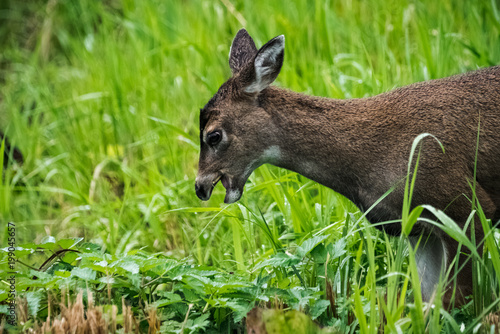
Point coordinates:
[(360, 148)]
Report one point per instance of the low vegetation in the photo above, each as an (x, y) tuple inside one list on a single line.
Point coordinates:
[(102, 99)]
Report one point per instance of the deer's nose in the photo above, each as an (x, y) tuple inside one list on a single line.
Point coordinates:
[(201, 192)]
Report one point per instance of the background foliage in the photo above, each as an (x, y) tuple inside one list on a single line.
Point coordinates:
[(102, 99)]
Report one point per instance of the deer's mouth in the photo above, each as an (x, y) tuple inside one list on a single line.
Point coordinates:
[(214, 182), (233, 193), (226, 182), (234, 189)]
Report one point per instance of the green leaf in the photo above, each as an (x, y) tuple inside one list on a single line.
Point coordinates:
[(412, 219), (240, 307), (70, 257), (203, 279), (68, 243), (198, 323), (128, 266), (411, 179), (320, 253), (86, 274), (319, 308), (151, 263), (167, 266), (48, 242), (34, 299), (3, 296), (449, 226), (169, 298), (107, 280), (92, 256), (278, 260), (90, 247), (301, 297), (21, 252), (60, 266), (339, 248), (101, 266), (308, 245), (62, 273)]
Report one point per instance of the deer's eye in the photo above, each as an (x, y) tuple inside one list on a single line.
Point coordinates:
[(213, 138)]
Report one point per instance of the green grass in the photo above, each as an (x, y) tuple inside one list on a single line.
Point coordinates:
[(102, 98)]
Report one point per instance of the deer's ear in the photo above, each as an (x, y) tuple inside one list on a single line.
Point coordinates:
[(242, 51), (266, 65)]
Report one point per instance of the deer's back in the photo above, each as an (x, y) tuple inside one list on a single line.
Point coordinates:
[(452, 109)]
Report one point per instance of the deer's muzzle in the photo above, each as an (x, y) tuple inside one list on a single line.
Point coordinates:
[(203, 192), (204, 186)]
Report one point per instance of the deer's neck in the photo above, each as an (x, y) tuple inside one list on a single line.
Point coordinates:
[(319, 138)]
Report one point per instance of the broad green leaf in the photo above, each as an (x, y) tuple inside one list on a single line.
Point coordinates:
[(48, 239), (148, 264), (70, 257), (62, 273), (48, 242), (278, 260), (86, 274), (198, 324), (319, 308), (34, 300), (129, 266), (92, 256), (308, 245), (68, 243), (107, 280), (240, 308), (339, 248), (168, 298)]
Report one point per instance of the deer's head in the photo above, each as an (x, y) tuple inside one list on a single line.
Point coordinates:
[(235, 131)]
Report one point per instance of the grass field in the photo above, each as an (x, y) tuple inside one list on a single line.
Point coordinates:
[(102, 98)]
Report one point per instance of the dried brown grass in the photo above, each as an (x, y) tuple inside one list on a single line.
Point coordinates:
[(492, 319), (75, 318)]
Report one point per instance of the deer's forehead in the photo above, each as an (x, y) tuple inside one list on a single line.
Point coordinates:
[(225, 93), (226, 108), (216, 120)]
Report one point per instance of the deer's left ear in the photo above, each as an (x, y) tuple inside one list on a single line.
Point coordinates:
[(266, 66), (242, 51)]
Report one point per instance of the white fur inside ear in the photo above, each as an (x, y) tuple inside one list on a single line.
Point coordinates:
[(265, 64)]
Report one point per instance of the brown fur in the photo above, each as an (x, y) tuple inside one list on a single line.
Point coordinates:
[(360, 147)]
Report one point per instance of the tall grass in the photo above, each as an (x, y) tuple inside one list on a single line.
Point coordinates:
[(104, 101), (102, 98)]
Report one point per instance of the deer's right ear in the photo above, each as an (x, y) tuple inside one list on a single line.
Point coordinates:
[(266, 66), (242, 51)]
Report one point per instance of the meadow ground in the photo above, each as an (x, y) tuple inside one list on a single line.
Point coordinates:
[(102, 99)]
